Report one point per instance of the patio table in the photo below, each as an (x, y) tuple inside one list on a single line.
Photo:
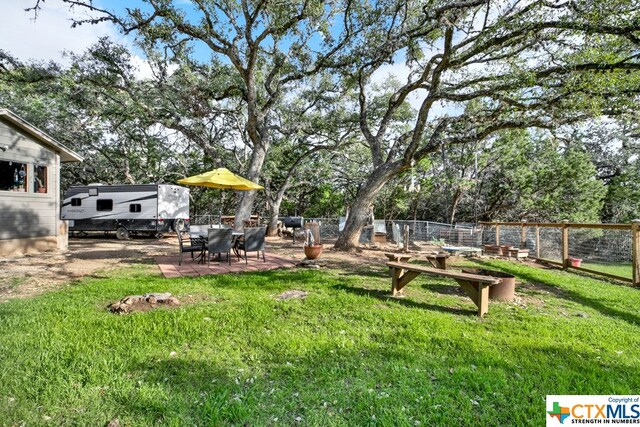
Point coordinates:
[(202, 237)]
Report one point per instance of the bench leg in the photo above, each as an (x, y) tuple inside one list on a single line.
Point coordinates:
[(396, 273), (479, 294), (483, 300), (400, 277)]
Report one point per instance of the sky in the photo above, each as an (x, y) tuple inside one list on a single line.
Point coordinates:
[(45, 38), (48, 36)]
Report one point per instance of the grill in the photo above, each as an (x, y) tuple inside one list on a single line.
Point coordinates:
[(294, 222)]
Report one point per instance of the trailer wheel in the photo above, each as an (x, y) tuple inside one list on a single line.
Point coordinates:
[(122, 233), (178, 225)]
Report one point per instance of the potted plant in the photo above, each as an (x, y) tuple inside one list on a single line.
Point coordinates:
[(312, 250), (41, 188)]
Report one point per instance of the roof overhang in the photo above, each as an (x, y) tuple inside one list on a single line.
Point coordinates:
[(66, 155)]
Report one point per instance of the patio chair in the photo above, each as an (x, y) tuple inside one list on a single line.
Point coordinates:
[(190, 248), (253, 241), (220, 240)]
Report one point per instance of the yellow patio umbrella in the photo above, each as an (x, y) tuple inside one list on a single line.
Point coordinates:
[(221, 178)]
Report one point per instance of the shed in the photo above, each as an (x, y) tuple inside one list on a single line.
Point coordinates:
[(30, 187)]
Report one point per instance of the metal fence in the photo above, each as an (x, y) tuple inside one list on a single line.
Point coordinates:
[(419, 231), (601, 248), (427, 231), (611, 250), (204, 219)]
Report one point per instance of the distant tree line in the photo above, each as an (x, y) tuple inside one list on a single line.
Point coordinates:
[(505, 110)]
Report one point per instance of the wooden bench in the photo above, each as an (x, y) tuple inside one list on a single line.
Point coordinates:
[(475, 285), (398, 257), (436, 260)]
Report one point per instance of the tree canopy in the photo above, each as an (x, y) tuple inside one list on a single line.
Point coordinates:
[(488, 103)]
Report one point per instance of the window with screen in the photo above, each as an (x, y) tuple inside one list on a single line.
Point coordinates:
[(76, 202), (135, 207), (40, 179), (104, 205), (13, 176)]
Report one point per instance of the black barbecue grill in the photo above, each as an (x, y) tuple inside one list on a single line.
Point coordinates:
[(294, 222)]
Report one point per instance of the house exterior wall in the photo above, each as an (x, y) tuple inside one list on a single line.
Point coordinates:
[(29, 220)]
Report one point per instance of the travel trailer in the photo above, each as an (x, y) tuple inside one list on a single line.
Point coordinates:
[(125, 209)]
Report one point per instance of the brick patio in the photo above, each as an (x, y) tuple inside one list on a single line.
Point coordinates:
[(170, 268)]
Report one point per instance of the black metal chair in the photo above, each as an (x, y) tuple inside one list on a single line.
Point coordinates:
[(191, 248), (253, 241), (220, 240)]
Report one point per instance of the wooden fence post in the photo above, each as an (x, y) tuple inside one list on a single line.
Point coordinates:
[(497, 234), (537, 241), (405, 235), (565, 244), (635, 251), (523, 236)]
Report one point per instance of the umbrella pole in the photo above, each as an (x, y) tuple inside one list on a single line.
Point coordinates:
[(220, 210)]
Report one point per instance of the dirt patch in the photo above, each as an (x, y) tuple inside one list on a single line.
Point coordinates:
[(524, 301), (293, 294), (27, 275), (146, 302)]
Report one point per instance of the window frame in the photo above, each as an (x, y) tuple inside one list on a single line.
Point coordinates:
[(22, 167), (36, 178), (102, 209)]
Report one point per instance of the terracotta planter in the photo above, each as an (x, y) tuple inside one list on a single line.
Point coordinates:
[(505, 290), (313, 252), (575, 262)]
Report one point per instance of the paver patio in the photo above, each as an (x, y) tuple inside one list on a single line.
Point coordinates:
[(170, 268)]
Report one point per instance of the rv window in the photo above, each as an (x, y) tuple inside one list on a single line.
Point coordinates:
[(76, 202), (40, 181), (135, 207), (104, 205), (13, 176)]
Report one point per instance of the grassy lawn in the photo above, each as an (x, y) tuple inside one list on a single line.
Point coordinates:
[(345, 355), (623, 270)]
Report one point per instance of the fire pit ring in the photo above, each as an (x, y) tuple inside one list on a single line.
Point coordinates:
[(505, 290)]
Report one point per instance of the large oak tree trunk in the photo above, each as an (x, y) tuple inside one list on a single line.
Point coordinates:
[(361, 208), (247, 198), (274, 211)]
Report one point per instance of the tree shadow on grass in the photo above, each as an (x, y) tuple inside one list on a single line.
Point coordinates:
[(444, 289), (538, 282), (362, 272), (216, 392), (387, 297)]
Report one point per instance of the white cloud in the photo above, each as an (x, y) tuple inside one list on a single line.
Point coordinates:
[(46, 37)]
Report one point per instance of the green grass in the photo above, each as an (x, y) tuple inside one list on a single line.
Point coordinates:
[(345, 355), (619, 269)]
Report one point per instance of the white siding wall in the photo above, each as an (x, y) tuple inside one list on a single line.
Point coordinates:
[(28, 214)]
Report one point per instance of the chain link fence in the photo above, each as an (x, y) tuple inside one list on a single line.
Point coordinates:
[(606, 249), (602, 248)]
